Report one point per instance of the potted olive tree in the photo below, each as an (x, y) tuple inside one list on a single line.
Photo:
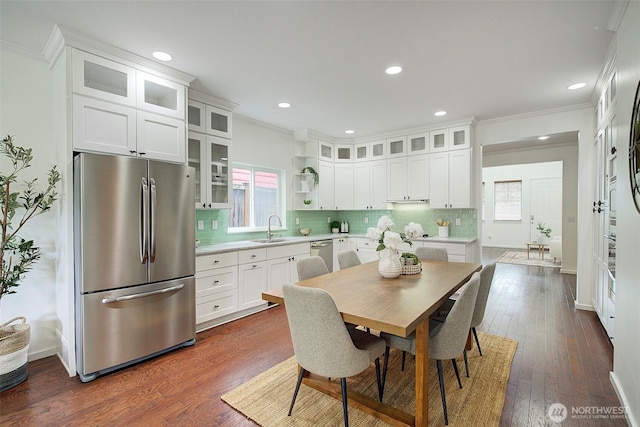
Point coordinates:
[(18, 255)]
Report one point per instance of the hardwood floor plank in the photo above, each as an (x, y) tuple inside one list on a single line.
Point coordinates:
[(563, 356)]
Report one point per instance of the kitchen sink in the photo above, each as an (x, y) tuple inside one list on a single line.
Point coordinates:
[(275, 240)]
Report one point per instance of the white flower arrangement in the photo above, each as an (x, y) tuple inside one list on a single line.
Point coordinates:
[(388, 239)]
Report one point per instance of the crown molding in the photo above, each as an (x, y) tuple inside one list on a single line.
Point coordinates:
[(617, 13), (211, 100), (532, 114), (11, 47), (265, 124)]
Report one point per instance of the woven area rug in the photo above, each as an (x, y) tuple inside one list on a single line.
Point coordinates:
[(520, 257), (265, 399)]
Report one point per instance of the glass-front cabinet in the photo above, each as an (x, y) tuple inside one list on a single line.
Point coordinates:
[(209, 155)]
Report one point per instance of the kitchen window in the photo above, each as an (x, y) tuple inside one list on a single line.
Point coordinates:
[(256, 194), (508, 201)]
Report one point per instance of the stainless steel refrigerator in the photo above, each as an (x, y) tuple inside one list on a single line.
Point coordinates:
[(134, 261)]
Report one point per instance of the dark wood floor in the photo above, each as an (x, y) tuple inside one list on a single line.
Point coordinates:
[(563, 356)]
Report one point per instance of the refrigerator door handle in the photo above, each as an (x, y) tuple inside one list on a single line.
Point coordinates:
[(144, 220), (142, 295), (152, 228)]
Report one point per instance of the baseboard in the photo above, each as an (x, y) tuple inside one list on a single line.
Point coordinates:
[(64, 355), (41, 354), (583, 306), (631, 419)]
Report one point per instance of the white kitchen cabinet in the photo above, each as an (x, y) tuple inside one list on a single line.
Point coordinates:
[(209, 155), (456, 252), (326, 200), (361, 152), (252, 277), (343, 186), (378, 150), (418, 143), (450, 179), (196, 116), (370, 186), (159, 95), (216, 286), (103, 127), (103, 79), (397, 146), (219, 122), (325, 151), (341, 244), (282, 263), (408, 178), (160, 138), (366, 249), (343, 153), (455, 138)]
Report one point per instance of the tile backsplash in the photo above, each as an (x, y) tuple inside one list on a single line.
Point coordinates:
[(358, 221)]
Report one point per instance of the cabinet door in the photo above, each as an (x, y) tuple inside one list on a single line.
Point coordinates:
[(362, 186), (397, 179), (325, 151), (196, 152), (325, 187), (294, 268), (418, 177), (252, 280), (418, 143), (460, 179), (439, 141), (219, 172), (104, 79), (378, 150), (459, 138), (343, 194), (219, 122), (161, 137), (279, 271), (104, 127), (196, 116), (439, 180), (378, 186), (343, 153), (160, 96), (361, 152), (397, 147)]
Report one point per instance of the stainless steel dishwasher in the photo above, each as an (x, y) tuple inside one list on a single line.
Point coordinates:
[(323, 249)]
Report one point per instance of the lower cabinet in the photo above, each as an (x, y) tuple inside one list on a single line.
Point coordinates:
[(282, 263), (457, 252), (252, 277), (216, 286), (341, 244), (366, 249)]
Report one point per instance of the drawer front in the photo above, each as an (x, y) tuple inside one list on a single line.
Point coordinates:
[(216, 305), (288, 250), (217, 280), (207, 262), (366, 243), (252, 255)]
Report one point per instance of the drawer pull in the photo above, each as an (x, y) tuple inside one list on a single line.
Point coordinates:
[(253, 256), (216, 306), (215, 282), (216, 261)]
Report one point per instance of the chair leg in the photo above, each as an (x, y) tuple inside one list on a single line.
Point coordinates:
[(345, 411), (378, 379), (475, 335), (404, 355), (295, 392), (466, 362), (384, 371), (455, 368), (442, 395)]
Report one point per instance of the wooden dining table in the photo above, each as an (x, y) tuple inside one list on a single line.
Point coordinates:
[(398, 306)]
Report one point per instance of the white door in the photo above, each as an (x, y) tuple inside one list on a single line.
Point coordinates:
[(546, 205)]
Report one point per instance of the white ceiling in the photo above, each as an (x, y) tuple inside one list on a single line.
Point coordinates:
[(482, 59)]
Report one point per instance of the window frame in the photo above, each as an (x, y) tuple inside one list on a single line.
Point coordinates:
[(497, 210)]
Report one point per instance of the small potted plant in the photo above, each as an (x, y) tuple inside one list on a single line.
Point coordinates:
[(544, 233), (335, 226), (307, 203)]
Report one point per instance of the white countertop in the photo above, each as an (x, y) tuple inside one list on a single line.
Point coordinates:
[(248, 244)]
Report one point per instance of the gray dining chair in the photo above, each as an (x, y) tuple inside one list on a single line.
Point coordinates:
[(348, 259), (435, 254), (322, 343), (447, 340), (311, 267)]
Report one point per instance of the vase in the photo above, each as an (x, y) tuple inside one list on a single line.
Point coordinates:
[(389, 265)]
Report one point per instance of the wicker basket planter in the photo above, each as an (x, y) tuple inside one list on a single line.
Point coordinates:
[(411, 269), (14, 344)]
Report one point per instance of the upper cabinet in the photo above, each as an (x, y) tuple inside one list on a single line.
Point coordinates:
[(456, 138), (209, 147), (343, 153), (397, 147), (120, 109), (418, 143), (450, 179)]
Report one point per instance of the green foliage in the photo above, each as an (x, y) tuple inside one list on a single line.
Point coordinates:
[(542, 229), (409, 255), (19, 255), (312, 171)]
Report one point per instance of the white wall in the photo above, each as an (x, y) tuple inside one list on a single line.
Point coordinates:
[(627, 350), (25, 113), (513, 234)]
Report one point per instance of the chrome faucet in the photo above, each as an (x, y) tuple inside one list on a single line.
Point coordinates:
[(269, 233)]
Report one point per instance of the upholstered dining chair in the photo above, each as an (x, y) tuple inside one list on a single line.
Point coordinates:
[(348, 259), (436, 254), (311, 267), (447, 340), (486, 279), (322, 343)]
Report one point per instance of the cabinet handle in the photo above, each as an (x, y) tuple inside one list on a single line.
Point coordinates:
[(209, 204), (216, 261), (204, 205), (612, 317), (216, 306), (254, 265), (215, 282), (142, 153), (132, 151)]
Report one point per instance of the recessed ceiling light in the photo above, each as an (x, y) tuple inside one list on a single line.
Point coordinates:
[(439, 113), (284, 105), (350, 131), (577, 86), (542, 138), (394, 70), (162, 56)]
